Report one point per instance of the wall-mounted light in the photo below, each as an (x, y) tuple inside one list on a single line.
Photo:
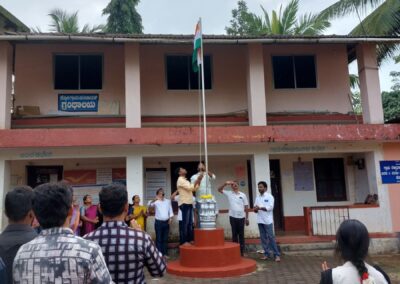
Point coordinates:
[(360, 163)]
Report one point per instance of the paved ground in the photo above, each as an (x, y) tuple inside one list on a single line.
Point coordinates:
[(292, 269)]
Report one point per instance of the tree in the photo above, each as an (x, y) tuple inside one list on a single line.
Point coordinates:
[(242, 22), (355, 95), (123, 17), (391, 100), (282, 22), (63, 22), (384, 20)]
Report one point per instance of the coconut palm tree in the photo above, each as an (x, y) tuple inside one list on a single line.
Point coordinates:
[(287, 22), (64, 22), (282, 22), (384, 20)]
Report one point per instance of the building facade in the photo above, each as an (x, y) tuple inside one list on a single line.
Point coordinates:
[(94, 109)]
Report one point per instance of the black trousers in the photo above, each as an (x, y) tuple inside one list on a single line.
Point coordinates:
[(187, 223), (237, 225), (162, 232)]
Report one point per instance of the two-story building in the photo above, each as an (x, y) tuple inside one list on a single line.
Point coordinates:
[(93, 109)]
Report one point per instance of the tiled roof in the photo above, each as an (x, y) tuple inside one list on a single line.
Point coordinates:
[(185, 38)]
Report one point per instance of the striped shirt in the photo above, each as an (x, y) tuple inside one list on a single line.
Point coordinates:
[(127, 251), (58, 256)]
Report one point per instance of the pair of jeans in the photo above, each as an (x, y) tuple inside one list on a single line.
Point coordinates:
[(268, 239), (162, 232), (237, 226), (187, 223)]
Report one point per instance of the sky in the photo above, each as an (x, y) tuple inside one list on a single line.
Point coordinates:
[(180, 17)]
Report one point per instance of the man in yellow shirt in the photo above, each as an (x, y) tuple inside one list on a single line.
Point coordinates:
[(185, 190)]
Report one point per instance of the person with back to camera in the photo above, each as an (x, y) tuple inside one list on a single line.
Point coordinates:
[(352, 243)]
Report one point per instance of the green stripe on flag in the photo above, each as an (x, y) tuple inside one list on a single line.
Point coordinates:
[(197, 46)]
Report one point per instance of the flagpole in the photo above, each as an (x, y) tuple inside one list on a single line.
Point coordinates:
[(204, 106)]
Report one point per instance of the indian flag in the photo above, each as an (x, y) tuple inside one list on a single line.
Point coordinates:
[(196, 58)]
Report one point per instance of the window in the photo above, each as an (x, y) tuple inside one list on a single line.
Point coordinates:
[(78, 72), (329, 179), (180, 75), (292, 72)]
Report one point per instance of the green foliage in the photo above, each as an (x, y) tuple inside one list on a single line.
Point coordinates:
[(356, 102), (391, 104), (243, 22), (383, 21), (355, 95), (123, 17), (282, 22), (395, 80), (63, 22), (391, 100)]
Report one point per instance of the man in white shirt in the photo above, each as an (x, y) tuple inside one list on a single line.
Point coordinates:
[(238, 214), (163, 218), (264, 207), (205, 186)]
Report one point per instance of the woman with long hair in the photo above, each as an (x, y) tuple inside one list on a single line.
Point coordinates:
[(352, 243), (137, 214)]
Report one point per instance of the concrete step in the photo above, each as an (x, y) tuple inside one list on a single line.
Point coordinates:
[(307, 247), (316, 252)]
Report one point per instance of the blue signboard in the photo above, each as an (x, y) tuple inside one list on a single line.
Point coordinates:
[(78, 102), (390, 171)]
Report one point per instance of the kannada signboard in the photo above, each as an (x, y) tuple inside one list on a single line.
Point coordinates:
[(78, 102), (390, 171)]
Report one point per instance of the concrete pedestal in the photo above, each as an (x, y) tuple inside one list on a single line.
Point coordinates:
[(211, 257)]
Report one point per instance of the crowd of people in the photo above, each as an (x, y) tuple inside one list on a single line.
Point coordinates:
[(51, 239)]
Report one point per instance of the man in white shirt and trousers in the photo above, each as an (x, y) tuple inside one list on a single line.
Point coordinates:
[(205, 187), (238, 214), (163, 218), (264, 207)]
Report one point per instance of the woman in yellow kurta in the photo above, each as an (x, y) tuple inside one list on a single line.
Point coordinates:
[(137, 214)]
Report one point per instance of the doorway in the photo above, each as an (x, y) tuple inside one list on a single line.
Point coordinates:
[(276, 191)]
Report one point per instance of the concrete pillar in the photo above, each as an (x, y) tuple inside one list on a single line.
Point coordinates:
[(368, 73), (132, 85), (4, 188), (374, 179), (260, 171), (256, 86), (134, 176), (5, 84)]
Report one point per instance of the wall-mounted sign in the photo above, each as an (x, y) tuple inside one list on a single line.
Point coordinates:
[(303, 176), (78, 102), (390, 171)]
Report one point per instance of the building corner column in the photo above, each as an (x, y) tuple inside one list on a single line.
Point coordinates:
[(132, 85), (135, 176), (5, 172), (374, 178), (6, 55), (368, 72), (260, 171), (256, 102)]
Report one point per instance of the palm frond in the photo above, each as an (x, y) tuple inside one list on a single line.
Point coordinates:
[(63, 22), (288, 19), (311, 24), (267, 21), (354, 81), (87, 29), (383, 21), (397, 59), (346, 7), (36, 30), (276, 26)]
